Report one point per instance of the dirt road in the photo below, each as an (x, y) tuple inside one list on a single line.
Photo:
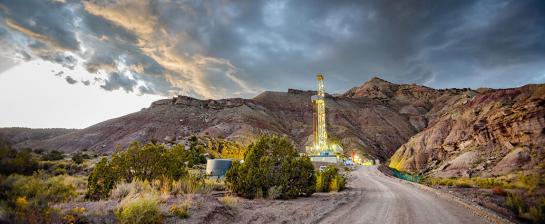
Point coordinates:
[(377, 198)]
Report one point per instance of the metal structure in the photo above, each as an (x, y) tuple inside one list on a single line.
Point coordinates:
[(320, 145), (218, 167), (320, 132)]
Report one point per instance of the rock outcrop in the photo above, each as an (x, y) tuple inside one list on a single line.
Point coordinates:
[(491, 134)]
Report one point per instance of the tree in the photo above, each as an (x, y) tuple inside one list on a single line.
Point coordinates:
[(13, 161), (101, 181), (148, 162), (272, 163)]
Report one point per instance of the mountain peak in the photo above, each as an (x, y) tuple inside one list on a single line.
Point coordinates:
[(377, 80)]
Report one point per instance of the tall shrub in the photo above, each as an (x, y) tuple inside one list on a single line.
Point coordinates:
[(272, 163), (148, 162)]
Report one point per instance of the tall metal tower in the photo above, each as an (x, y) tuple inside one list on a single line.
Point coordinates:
[(320, 131)]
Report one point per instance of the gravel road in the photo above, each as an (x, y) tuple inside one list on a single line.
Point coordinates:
[(377, 198)]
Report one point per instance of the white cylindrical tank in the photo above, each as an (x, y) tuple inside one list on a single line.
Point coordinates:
[(218, 167)]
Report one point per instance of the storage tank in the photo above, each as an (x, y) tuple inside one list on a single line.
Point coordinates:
[(218, 167)]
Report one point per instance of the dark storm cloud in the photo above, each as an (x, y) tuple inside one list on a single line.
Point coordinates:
[(214, 49), (118, 81), (70, 80)]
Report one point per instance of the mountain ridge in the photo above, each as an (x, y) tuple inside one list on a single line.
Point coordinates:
[(375, 119)]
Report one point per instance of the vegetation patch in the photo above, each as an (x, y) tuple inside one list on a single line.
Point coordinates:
[(534, 213), (148, 162), (28, 198), (181, 210), (329, 179), (140, 210), (272, 162)]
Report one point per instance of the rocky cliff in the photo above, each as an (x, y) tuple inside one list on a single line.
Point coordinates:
[(493, 133)]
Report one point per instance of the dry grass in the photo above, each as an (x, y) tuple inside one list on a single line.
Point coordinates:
[(181, 210), (528, 182), (142, 209), (229, 201)]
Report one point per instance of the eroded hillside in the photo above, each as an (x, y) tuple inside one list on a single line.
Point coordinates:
[(495, 133)]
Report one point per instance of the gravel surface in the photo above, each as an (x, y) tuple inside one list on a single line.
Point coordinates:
[(382, 199)]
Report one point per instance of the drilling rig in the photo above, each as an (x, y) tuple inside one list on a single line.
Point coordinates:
[(321, 147)]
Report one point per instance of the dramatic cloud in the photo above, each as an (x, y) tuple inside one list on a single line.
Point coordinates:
[(216, 49)]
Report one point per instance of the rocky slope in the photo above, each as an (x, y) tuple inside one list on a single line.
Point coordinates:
[(29, 135), (494, 133), (374, 119)]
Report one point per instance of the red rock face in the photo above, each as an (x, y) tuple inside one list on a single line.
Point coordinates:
[(502, 130)]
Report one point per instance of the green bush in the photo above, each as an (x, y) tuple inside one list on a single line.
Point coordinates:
[(141, 210), (272, 162), (79, 157), (13, 161), (148, 162), (515, 203), (101, 181), (53, 156), (29, 197), (536, 213), (329, 179), (533, 213)]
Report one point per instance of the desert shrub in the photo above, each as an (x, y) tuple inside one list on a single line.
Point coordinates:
[(337, 183), (79, 157), (190, 184), (215, 184), (536, 213), (181, 210), (329, 179), (271, 161), (229, 201), (528, 182), (52, 155), (101, 180), (122, 190), (29, 197), (143, 210), (76, 215), (13, 161), (533, 213), (468, 182), (149, 162), (515, 203)]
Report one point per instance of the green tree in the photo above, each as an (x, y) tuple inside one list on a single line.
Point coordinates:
[(101, 181), (13, 161), (148, 162), (272, 163)]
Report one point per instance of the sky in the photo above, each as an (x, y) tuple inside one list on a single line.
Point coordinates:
[(71, 63)]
